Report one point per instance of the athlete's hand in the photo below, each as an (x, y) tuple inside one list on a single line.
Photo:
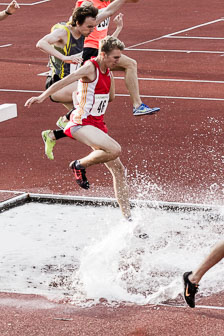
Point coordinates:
[(33, 100), (72, 59), (119, 20), (12, 7)]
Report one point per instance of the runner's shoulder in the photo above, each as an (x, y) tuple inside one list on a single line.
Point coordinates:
[(60, 27)]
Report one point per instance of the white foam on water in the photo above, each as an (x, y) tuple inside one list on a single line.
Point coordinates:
[(88, 254)]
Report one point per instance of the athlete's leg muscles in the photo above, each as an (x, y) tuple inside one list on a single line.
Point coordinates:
[(120, 186), (129, 66), (64, 95), (212, 259), (105, 147)]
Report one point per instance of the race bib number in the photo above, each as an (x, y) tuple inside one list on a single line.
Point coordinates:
[(103, 25), (100, 105)]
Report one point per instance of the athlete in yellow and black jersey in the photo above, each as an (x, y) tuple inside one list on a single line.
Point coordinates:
[(73, 46), (64, 45)]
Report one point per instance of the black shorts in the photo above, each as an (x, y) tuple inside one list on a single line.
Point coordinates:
[(51, 80), (88, 53)]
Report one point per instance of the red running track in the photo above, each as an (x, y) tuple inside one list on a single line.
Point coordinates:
[(178, 152)]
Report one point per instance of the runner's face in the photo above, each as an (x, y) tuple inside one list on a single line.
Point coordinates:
[(112, 58), (87, 27)]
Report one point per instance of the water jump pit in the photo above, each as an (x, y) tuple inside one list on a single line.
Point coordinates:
[(80, 250)]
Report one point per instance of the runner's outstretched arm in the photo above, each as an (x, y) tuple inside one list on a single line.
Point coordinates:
[(112, 89), (11, 9), (58, 37), (87, 71), (119, 23), (111, 10)]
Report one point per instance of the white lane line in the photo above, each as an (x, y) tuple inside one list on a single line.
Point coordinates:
[(39, 2), (195, 27), (173, 97), (5, 45), (197, 306), (171, 34), (196, 37), (210, 307), (138, 44), (179, 51), (176, 80), (126, 95), (21, 91), (26, 4)]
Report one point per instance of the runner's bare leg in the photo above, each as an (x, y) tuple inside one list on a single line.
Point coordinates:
[(105, 147), (212, 259), (129, 66), (106, 150), (64, 95), (120, 186)]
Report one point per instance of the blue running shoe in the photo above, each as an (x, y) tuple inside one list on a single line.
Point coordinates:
[(144, 109)]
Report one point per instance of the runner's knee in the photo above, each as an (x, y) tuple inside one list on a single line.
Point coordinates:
[(54, 98), (115, 151)]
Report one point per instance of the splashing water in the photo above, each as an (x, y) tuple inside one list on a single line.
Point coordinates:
[(88, 254), (121, 267)]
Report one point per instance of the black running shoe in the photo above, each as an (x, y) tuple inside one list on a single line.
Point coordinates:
[(190, 289), (80, 175), (143, 236)]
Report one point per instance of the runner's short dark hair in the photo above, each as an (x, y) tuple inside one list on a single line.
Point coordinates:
[(81, 13)]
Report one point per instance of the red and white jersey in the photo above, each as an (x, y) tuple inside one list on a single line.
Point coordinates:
[(92, 98)]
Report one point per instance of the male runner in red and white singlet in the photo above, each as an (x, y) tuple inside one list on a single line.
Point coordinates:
[(91, 45), (95, 90), (126, 64), (91, 101)]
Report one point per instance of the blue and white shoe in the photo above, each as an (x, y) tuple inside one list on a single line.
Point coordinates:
[(144, 109)]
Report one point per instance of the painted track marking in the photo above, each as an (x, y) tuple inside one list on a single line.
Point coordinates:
[(26, 4), (176, 80), (173, 97), (127, 95), (175, 33), (197, 306), (179, 51), (5, 45), (196, 37)]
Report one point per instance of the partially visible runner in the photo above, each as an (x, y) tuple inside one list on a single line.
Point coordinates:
[(10, 10), (65, 44), (192, 279), (126, 64), (95, 90), (91, 44), (49, 136)]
